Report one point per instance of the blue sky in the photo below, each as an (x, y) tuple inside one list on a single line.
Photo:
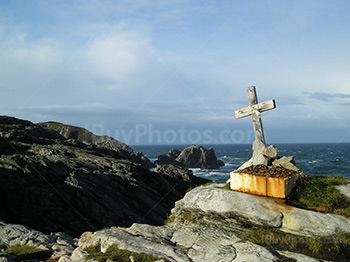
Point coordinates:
[(160, 72)]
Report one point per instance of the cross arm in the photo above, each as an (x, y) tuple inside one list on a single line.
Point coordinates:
[(250, 110)]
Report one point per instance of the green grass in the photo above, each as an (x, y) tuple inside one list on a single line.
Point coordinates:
[(227, 186), (320, 193), (28, 253), (120, 255), (335, 247), (185, 216)]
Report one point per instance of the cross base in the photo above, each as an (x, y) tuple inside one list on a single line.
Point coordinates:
[(263, 185)]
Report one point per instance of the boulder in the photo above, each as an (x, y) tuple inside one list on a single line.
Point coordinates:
[(257, 158), (169, 158), (197, 156), (286, 162), (191, 157), (270, 152), (242, 209)]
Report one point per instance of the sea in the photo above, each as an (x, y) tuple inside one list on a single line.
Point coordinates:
[(314, 159)]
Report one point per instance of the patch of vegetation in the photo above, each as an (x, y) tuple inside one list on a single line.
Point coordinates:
[(26, 252), (319, 193), (188, 216), (227, 186), (120, 255), (170, 219), (183, 216), (335, 247)]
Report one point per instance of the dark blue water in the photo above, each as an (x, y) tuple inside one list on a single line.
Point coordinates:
[(313, 159)]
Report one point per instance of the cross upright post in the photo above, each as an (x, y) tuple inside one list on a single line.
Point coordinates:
[(255, 110)]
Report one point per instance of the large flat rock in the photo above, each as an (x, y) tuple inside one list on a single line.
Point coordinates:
[(231, 204), (262, 211)]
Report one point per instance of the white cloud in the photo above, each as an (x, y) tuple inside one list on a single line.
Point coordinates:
[(119, 58)]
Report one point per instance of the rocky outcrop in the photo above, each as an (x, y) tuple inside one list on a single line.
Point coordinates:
[(51, 183), (192, 157), (56, 246), (232, 205), (179, 173), (246, 209), (205, 226), (105, 142), (180, 243), (170, 158)]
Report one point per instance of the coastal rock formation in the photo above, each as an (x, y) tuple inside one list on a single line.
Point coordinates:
[(192, 157), (57, 246), (247, 209), (56, 184), (51, 183), (105, 142), (169, 158), (179, 173), (207, 223)]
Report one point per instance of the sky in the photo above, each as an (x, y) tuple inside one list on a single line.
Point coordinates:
[(174, 72)]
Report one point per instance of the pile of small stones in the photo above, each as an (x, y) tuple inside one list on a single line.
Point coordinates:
[(270, 171)]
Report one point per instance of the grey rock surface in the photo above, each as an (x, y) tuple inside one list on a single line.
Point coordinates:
[(257, 157), (132, 242), (105, 142), (270, 151), (231, 204), (242, 209), (310, 223), (299, 257), (57, 245), (179, 242), (286, 162), (344, 189)]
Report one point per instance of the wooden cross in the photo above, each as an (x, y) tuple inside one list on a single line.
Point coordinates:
[(254, 109)]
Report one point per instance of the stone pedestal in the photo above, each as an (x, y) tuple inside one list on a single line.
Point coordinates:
[(279, 187)]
